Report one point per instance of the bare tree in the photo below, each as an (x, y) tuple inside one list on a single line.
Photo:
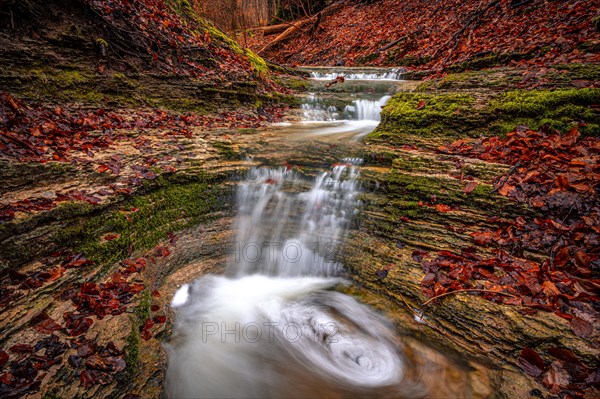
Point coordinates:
[(231, 15)]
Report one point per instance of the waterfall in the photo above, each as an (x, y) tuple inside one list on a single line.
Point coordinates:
[(367, 110), (273, 326), (315, 108), (393, 74), (293, 233)]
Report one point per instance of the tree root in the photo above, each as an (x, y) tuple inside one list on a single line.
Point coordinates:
[(464, 290)]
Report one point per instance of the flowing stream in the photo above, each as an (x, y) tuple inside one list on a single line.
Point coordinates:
[(273, 326)]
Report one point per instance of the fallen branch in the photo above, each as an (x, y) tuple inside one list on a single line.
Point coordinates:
[(291, 24), (510, 172), (464, 290), (299, 25), (338, 79), (270, 29), (392, 44), (287, 34)]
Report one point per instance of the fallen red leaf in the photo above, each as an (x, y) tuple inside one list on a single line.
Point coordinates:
[(21, 348), (47, 326), (581, 327), (443, 208), (3, 357), (531, 362), (470, 187)]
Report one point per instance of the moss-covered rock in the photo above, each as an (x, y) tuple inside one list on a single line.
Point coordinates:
[(143, 221), (559, 109), (428, 115), (138, 223), (486, 61), (429, 119)]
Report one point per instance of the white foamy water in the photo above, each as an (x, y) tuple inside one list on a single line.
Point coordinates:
[(315, 108), (393, 74), (285, 231), (251, 337)]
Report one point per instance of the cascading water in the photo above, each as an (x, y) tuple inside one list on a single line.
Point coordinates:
[(297, 227), (272, 326), (364, 110), (393, 74)]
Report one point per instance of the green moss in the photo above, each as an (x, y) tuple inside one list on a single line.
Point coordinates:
[(122, 80), (365, 60), (101, 42), (444, 115), (483, 171), (405, 190), (596, 22), (69, 78), (589, 47), (580, 71), (454, 115), (417, 188), (379, 156), (226, 150), (419, 164), (198, 105), (258, 64), (296, 84), (87, 96), (409, 209), (478, 79), (47, 81), (61, 168), (183, 8), (482, 190), (142, 311), (559, 109), (76, 86), (132, 349), (486, 61), (71, 209), (170, 207)]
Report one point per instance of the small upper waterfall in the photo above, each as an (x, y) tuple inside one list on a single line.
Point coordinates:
[(356, 101), (317, 108), (386, 74), (367, 110)]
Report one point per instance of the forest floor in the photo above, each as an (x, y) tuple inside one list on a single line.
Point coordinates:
[(440, 36)]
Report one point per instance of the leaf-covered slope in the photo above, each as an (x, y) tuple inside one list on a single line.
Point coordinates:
[(436, 34), (175, 38), (161, 37)]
